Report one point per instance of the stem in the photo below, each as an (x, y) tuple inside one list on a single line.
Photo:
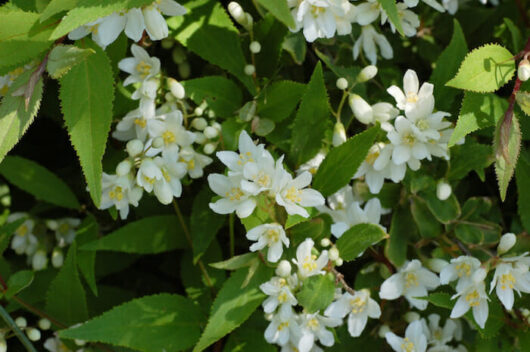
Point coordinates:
[(231, 231), (23, 339), (38, 312), (340, 278), (341, 104)]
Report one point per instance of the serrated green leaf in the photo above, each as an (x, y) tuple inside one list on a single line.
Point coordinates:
[(350, 73), (270, 34), (478, 111), (522, 177), (234, 301), (400, 232), (342, 162), (86, 94), (517, 38), (484, 69), (57, 6), (222, 95), (66, 299), (18, 281), (204, 224), (357, 239), (38, 181), (295, 45), (63, 57), (440, 299), (391, 11), (443, 210), (523, 100), (87, 232), (155, 234), (237, 262), (468, 157), (506, 145), (278, 101), (427, 224), (155, 323), (293, 220), (280, 10), (317, 292)]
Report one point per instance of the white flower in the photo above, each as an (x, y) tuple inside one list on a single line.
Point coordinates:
[(411, 281), (450, 5), (509, 277), (411, 94), (371, 214), (308, 264), (65, 230), (431, 3), (195, 162), (293, 196), (369, 40), (312, 164), (172, 170), (271, 236), (104, 30), (169, 127), (368, 12), (414, 341), (119, 191), (133, 126), (248, 152), (146, 93), (279, 290), (54, 344), (409, 20), (39, 260), (473, 296), (234, 198), (338, 204), (260, 174), (438, 337), (155, 23), (314, 327), (282, 326), (24, 241), (358, 307), (408, 147), (377, 166), (461, 269), (426, 124), (141, 66)]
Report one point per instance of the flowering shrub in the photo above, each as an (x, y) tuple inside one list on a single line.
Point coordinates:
[(269, 175)]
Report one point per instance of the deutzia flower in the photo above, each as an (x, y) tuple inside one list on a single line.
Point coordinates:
[(293, 196), (64, 230), (414, 341), (308, 264), (371, 214), (133, 126), (195, 162), (146, 93), (427, 125), (367, 12), (438, 337), (450, 5), (473, 296), (377, 166), (24, 241), (411, 281), (358, 307), (409, 20), (169, 128), (54, 344), (271, 236), (510, 275), (408, 148), (169, 185), (140, 67), (119, 191), (234, 198), (155, 23), (314, 327), (431, 3), (312, 164), (370, 40), (248, 152), (279, 291), (461, 269), (104, 30), (407, 98), (282, 326), (261, 174), (338, 204)]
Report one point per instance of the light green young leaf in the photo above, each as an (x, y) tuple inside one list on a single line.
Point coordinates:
[(485, 69), (204, 224), (63, 57), (222, 95), (237, 262), (317, 292), (280, 10), (86, 94), (86, 260), (18, 281), (506, 145), (38, 181), (163, 322), (392, 12), (342, 162), (56, 6), (523, 100), (278, 101), (155, 234), (357, 239), (522, 177)]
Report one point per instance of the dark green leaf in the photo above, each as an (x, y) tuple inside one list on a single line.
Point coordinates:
[(222, 95), (87, 232), (204, 224), (280, 10), (357, 239), (18, 281), (279, 100), (427, 224)]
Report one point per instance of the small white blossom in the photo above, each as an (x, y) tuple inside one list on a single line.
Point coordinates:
[(283, 325), (293, 195), (411, 94), (312, 164), (314, 328), (169, 127), (511, 275), (409, 20), (371, 214), (308, 263), (461, 269), (474, 297), (65, 230), (234, 198), (279, 290), (369, 40), (24, 241), (248, 152), (414, 340), (140, 67), (119, 191), (195, 162), (271, 236)]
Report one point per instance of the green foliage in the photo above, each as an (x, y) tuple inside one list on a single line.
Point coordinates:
[(357, 239), (7, 231), (317, 292), (523, 100), (38, 181), (203, 224), (56, 6), (152, 323), (222, 95), (440, 299), (469, 157), (236, 262), (86, 260), (427, 224), (63, 57), (278, 101), (18, 281), (86, 94), (522, 177), (280, 10), (484, 69), (506, 145), (443, 210), (400, 232), (390, 8)]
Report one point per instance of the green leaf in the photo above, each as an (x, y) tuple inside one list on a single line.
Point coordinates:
[(484, 69), (342, 162), (233, 305), (86, 260), (66, 300), (517, 38), (270, 34), (163, 322), (57, 6), (427, 224), (522, 177), (392, 12), (237, 262), (86, 95), (155, 234), (316, 228), (357, 239), (506, 145), (443, 210), (222, 95), (18, 281), (295, 45), (293, 220), (280, 10), (63, 57), (7, 231), (447, 66), (317, 292), (523, 100), (209, 32), (478, 111), (204, 224), (440, 299), (278, 101), (15, 118), (350, 73), (38, 181), (400, 232), (467, 157)]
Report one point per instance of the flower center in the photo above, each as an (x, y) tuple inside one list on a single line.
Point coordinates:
[(372, 157), (411, 280), (4, 89), (140, 121), (282, 297), (64, 228), (190, 164), (22, 230), (422, 124), (293, 195), (143, 68), (263, 179), (235, 194), (407, 345), (245, 158), (273, 235), (149, 180), (313, 324), (463, 269), (168, 137), (116, 193), (412, 97), (507, 281), (283, 325), (358, 305), (409, 139), (166, 175), (93, 29), (310, 263), (473, 298), (316, 11)]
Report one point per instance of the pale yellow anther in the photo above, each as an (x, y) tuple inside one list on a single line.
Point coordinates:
[(168, 137)]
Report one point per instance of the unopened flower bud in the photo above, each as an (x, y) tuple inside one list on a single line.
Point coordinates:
[(39, 260), (21, 322), (44, 324), (217, 126), (255, 47), (443, 190), (367, 74), (339, 262), (333, 254), (158, 142), (33, 334), (211, 132), (249, 70), (209, 148), (199, 138), (179, 55), (339, 134), (506, 243), (342, 83), (3, 345), (479, 275), (383, 330), (167, 43), (176, 88), (80, 342), (199, 123), (134, 147), (523, 72), (325, 242), (436, 264), (283, 269), (236, 11), (123, 168), (198, 111), (211, 114), (57, 258), (411, 316), (184, 70), (361, 109)]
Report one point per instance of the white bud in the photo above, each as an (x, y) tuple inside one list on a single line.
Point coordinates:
[(342, 83), (443, 190), (198, 111), (44, 324), (167, 43), (123, 168), (506, 243), (134, 147), (57, 258), (255, 47), (210, 132), (339, 134), (367, 73), (523, 73), (3, 345), (199, 138), (33, 334), (525, 312), (361, 109), (209, 148), (436, 264), (176, 88), (211, 114), (21, 322), (158, 142), (333, 254), (199, 123), (236, 11), (479, 275), (249, 70), (411, 316), (284, 268), (179, 55), (339, 262), (184, 69), (383, 330), (80, 342), (217, 126), (325, 242), (39, 260)]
